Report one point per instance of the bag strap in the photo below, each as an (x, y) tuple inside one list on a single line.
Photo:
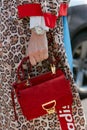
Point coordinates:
[(20, 68), (25, 59), (13, 102)]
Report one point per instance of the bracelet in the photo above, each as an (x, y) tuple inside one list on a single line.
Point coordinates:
[(38, 30)]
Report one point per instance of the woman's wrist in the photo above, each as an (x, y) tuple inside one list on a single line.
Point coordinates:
[(38, 30), (35, 34)]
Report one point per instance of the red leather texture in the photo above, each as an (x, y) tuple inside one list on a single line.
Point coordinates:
[(42, 89), (32, 98)]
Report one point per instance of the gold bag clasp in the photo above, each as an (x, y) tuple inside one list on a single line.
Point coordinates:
[(53, 68), (49, 109)]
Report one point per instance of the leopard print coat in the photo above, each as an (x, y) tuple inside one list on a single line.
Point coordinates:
[(14, 39)]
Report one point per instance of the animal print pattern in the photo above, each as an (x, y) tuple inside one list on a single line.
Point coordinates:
[(53, 4), (14, 39)]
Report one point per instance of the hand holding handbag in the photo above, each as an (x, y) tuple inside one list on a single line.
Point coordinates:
[(44, 94)]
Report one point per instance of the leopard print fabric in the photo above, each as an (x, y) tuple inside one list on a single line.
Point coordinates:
[(53, 4), (14, 38)]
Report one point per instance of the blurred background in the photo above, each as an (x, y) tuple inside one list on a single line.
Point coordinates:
[(77, 20)]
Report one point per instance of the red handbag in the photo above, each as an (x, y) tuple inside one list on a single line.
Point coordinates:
[(43, 94)]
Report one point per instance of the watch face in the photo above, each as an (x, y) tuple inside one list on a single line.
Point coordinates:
[(39, 30)]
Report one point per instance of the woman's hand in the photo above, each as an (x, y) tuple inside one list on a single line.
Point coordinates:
[(37, 48)]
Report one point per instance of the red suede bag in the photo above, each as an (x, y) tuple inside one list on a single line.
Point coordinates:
[(44, 94)]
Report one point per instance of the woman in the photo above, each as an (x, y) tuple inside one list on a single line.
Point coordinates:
[(17, 41)]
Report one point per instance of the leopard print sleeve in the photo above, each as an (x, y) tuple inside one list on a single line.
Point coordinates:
[(50, 6), (52, 9)]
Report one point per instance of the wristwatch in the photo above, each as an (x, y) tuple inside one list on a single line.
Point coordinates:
[(38, 30)]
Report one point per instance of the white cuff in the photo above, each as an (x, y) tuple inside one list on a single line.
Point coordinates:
[(38, 21)]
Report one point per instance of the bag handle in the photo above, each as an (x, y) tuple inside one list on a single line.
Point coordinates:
[(20, 67)]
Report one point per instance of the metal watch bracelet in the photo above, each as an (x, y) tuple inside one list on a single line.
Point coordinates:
[(38, 30)]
